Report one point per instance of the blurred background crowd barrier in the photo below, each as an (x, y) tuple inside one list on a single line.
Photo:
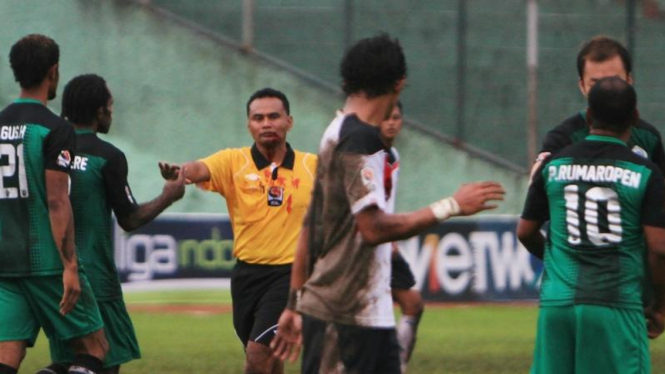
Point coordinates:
[(468, 59), (181, 72)]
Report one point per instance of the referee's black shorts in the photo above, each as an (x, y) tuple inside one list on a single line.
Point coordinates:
[(401, 277), (259, 294)]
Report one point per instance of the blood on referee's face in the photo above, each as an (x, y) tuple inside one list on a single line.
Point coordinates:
[(268, 122), (597, 70)]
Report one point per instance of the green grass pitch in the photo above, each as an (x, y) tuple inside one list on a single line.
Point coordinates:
[(458, 339)]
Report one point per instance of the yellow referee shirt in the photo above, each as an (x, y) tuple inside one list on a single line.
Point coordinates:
[(267, 204)]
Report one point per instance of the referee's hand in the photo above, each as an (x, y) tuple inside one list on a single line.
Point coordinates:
[(288, 340)]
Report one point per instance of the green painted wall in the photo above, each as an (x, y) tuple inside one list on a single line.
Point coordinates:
[(306, 33), (181, 96)]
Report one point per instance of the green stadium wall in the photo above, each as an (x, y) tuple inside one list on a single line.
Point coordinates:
[(181, 94)]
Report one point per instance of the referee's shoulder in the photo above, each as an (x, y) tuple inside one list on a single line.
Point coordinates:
[(235, 151), (571, 124), (308, 160)]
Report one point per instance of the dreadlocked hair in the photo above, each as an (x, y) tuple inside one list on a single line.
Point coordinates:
[(82, 98)]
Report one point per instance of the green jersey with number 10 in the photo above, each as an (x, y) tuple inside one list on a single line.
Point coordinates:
[(597, 195), (32, 140)]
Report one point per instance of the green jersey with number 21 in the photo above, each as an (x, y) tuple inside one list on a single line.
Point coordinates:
[(32, 140)]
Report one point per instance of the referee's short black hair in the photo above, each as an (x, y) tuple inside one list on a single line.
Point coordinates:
[(600, 49), (82, 98), (270, 92), (613, 105), (31, 58), (373, 66)]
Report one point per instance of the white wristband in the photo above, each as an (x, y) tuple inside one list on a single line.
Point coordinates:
[(445, 208)]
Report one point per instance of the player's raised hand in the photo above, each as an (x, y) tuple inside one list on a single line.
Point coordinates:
[(288, 340), (474, 197), (169, 171), (655, 323), (175, 189), (72, 290)]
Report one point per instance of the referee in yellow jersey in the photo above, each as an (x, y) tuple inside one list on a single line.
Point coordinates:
[(267, 188)]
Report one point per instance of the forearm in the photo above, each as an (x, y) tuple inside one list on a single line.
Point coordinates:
[(62, 228), (657, 268), (535, 244), (145, 213), (395, 227), (299, 268), (528, 233), (195, 172)]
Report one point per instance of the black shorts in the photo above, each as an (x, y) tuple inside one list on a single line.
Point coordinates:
[(362, 350), (401, 277), (259, 294)]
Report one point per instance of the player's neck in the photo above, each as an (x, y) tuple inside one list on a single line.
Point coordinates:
[(372, 111), (602, 132), (39, 93), (273, 154), (78, 126)]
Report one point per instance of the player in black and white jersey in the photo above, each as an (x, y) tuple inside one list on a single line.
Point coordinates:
[(340, 283), (402, 280)]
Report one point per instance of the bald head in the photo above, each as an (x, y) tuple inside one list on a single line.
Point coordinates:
[(612, 105)]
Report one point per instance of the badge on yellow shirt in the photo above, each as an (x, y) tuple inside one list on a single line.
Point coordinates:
[(275, 195)]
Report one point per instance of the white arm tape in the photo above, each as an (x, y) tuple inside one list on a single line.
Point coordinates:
[(445, 208)]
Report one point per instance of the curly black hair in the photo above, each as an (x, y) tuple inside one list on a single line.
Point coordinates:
[(613, 104), (82, 98), (373, 66), (31, 58)]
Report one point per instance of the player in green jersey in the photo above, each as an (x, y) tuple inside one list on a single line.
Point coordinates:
[(603, 202), (41, 283), (99, 187), (602, 57)]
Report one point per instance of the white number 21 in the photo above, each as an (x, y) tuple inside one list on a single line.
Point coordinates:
[(11, 169)]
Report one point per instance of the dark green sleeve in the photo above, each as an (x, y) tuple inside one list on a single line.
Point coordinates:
[(658, 156), (653, 206), (536, 207), (59, 147), (118, 193)]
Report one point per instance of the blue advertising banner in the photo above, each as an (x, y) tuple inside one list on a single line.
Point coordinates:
[(176, 246), (476, 259)]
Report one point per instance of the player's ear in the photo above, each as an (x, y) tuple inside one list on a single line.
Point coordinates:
[(589, 116), (580, 85), (629, 79), (53, 72), (101, 112), (636, 117), (399, 86), (289, 123)]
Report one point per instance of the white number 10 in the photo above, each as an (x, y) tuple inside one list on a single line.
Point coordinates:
[(612, 233), (11, 169)]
